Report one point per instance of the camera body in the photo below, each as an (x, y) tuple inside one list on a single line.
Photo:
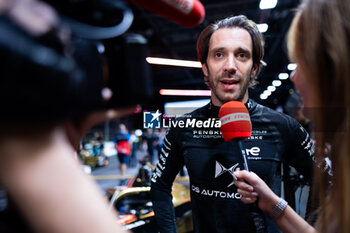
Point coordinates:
[(45, 78), (129, 74)]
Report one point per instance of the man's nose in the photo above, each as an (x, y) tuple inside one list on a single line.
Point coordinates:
[(230, 65)]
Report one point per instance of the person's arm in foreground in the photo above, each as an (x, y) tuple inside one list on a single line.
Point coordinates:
[(250, 186), (40, 174)]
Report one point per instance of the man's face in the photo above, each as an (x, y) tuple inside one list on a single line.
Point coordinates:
[(229, 65)]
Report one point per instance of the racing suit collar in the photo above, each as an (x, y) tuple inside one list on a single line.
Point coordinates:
[(250, 104)]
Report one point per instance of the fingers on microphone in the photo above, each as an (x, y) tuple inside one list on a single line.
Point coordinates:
[(248, 200), (249, 177), (247, 194), (244, 186)]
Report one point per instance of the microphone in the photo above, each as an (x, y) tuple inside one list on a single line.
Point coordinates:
[(236, 125), (188, 13)]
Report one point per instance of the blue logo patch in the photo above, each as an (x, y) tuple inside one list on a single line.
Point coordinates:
[(151, 120)]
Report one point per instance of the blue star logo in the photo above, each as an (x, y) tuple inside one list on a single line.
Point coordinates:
[(151, 120)]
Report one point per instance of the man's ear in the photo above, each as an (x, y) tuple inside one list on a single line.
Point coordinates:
[(205, 69), (205, 72), (254, 70)]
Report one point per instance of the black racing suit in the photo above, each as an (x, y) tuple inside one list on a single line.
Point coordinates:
[(216, 205)]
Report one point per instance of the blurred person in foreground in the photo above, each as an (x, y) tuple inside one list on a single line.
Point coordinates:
[(46, 188), (319, 42)]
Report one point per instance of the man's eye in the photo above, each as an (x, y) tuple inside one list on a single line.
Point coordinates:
[(242, 55), (218, 54)]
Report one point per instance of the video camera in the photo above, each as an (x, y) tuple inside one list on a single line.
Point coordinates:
[(60, 74)]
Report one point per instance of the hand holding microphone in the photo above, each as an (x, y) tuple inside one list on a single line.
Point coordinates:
[(236, 126), (267, 198)]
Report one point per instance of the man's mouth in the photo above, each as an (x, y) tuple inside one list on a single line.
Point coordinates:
[(229, 82)]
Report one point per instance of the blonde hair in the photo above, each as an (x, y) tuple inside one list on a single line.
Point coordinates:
[(319, 41)]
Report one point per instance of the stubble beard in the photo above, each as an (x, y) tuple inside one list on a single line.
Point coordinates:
[(241, 91)]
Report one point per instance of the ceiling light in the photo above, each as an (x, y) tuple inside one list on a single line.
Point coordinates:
[(267, 4), (276, 83), (262, 27), (292, 66), (185, 92), (267, 92), (263, 97), (271, 88), (173, 62), (283, 76)]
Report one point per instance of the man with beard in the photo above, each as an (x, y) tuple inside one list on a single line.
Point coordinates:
[(231, 52)]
